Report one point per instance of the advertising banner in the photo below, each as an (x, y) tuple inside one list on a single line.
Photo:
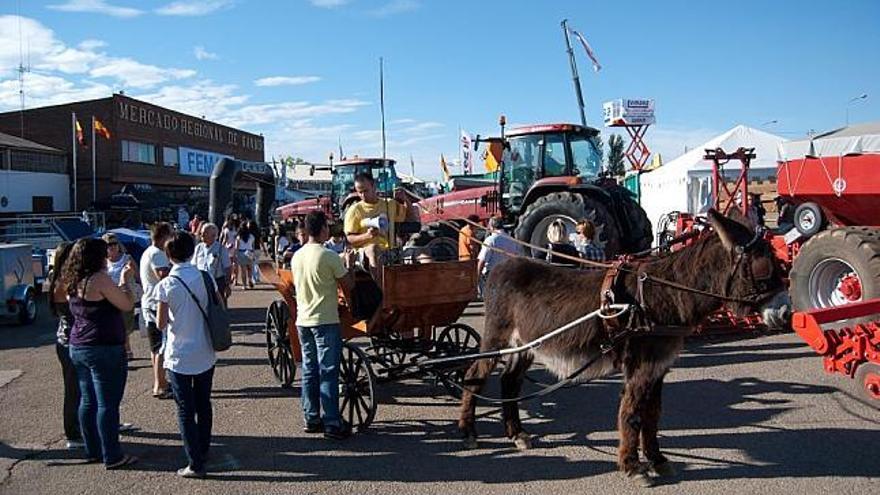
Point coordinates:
[(198, 162), (623, 112)]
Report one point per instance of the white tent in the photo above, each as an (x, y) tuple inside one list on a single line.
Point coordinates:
[(685, 183)]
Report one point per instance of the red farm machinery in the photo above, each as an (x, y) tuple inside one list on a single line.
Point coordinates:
[(547, 172)]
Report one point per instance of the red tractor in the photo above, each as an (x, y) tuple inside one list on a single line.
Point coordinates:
[(342, 187), (549, 172)]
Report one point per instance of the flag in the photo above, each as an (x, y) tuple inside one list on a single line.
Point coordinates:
[(79, 134), (596, 65), (341, 154), (100, 129), (444, 168), (467, 155), (492, 156), (412, 166)]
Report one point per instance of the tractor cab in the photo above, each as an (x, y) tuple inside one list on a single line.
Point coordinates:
[(344, 172), (563, 153)]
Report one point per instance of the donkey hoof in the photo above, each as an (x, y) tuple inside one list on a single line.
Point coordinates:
[(470, 442), (522, 441), (640, 478), (664, 469)]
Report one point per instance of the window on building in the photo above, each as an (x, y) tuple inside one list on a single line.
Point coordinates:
[(34, 161), (135, 152), (170, 157)]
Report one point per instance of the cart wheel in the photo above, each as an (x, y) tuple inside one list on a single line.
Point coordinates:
[(456, 340), (27, 309), (867, 383), (387, 349), (357, 401), (278, 343)]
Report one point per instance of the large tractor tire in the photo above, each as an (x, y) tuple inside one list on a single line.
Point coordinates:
[(435, 241), (636, 219), (837, 267), (568, 207)]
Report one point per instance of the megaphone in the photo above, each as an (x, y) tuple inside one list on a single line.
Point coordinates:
[(380, 222)]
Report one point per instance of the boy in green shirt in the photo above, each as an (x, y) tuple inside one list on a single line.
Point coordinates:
[(316, 273)]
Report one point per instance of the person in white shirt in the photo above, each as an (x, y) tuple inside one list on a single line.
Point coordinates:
[(227, 237), (189, 354), (497, 247), (212, 257), (154, 267), (117, 260), (244, 256)]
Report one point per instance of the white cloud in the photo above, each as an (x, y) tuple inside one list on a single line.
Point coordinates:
[(96, 7), (202, 54), (286, 80), (134, 74), (329, 4), (194, 7), (43, 90), (395, 7)]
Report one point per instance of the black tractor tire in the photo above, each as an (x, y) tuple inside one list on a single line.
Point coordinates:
[(640, 232), (438, 240), (826, 258), (570, 207), (809, 219)]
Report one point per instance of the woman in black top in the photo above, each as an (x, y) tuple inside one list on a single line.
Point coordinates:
[(61, 310)]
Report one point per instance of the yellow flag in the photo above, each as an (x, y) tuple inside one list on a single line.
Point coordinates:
[(492, 156), (444, 168)]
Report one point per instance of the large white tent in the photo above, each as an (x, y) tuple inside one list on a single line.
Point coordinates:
[(685, 183)]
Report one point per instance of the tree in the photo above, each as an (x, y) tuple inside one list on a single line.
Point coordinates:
[(616, 166)]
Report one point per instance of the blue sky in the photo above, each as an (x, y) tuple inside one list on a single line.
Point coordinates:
[(304, 72)]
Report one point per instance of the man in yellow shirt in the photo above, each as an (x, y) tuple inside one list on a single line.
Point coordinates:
[(371, 242), (316, 273)]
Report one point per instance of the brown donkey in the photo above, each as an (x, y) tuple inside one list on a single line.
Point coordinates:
[(526, 299)]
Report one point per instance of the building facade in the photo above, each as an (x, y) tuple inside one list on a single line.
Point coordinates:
[(33, 177), (150, 147)]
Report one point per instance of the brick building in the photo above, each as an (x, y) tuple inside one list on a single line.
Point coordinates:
[(150, 147)]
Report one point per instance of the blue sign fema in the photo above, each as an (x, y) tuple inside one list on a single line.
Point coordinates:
[(198, 162)]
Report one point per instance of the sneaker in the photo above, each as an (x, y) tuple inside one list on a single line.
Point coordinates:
[(188, 472), (314, 427), (75, 444), (340, 433)]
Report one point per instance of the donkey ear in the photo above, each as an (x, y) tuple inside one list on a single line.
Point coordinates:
[(741, 219), (721, 225)]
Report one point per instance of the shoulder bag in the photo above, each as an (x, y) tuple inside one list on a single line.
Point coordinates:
[(216, 316)]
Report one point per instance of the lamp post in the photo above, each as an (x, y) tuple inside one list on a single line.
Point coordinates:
[(861, 97)]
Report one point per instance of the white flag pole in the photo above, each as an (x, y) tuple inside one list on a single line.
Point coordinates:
[(74, 145)]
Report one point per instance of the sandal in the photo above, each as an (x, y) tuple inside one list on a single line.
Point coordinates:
[(163, 394), (126, 460)]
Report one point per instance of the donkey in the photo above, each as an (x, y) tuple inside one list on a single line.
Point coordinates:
[(526, 299)]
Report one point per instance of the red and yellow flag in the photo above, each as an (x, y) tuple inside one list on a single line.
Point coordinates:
[(101, 129), (79, 134)]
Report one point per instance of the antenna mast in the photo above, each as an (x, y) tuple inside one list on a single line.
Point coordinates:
[(22, 69), (574, 73), (382, 101)]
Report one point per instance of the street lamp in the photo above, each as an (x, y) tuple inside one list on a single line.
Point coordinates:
[(861, 97)]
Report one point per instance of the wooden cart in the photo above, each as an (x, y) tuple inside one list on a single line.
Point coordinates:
[(420, 306)]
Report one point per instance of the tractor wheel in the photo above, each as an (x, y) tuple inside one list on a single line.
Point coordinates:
[(568, 207), (439, 241), (837, 267), (639, 226)]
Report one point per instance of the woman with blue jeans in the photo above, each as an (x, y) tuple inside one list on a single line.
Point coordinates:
[(189, 356), (97, 348)]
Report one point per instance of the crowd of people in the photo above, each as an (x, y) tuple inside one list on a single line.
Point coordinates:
[(95, 287)]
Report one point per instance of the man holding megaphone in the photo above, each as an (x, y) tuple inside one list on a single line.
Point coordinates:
[(367, 222)]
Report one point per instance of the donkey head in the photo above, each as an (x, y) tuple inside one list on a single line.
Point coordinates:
[(755, 276)]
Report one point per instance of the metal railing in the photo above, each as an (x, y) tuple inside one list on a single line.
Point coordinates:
[(42, 230)]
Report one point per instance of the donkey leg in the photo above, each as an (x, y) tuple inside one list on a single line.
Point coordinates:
[(511, 385), (474, 380), (629, 425), (650, 426)]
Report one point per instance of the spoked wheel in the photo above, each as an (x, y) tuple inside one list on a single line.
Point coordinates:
[(456, 340), (357, 400), (278, 343), (867, 384), (388, 349)]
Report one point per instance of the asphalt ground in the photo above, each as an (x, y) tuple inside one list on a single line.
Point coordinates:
[(743, 414)]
